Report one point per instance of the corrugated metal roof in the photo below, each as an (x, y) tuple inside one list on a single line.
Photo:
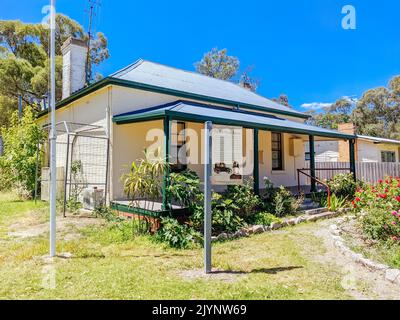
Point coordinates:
[(191, 111), (378, 140), (154, 74)]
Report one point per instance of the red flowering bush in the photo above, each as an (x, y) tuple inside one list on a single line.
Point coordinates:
[(379, 208)]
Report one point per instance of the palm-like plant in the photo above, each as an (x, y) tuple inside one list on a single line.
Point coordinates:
[(143, 182)]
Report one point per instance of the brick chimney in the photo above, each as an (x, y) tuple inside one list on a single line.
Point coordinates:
[(74, 53), (349, 128), (344, 153)]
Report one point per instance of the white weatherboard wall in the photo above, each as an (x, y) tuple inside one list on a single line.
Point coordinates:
[(371, 152), (127, 141), (287, 176), (325, 151)]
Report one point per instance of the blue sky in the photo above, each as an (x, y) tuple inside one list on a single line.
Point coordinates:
[(296, 47)]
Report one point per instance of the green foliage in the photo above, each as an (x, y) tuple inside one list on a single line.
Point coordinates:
[(77, 186), (225, 214), (337, 202), (144, 180), (264, 218), (107, 213), (339, 112), (285, 203), (377, 113), (218, 64), (343, 185), (319, 197), (380, 224), (184, 188), (18, 163), (175, 234), (378, 206), (243, 198), (24, 65), (73, 205)]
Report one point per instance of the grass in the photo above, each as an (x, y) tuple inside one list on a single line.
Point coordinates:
[(108, 265), (386, 253)]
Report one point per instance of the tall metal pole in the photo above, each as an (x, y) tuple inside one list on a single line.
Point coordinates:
[(20, 106), (207, 195), (53, 133)]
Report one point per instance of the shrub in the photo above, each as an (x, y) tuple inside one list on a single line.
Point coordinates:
[(176, 235), (107, 213), (184, 188), (144, 179), (380, 224), (224, 215), (264, 218), (383, 195), (284, 203), (319, 197), (343, 185), (18, 163), (244, 199), (378, 206), (337, 202)]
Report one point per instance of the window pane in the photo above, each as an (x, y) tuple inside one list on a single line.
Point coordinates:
[(276, 151)]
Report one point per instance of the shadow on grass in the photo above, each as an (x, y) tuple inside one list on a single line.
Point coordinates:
[(260, 270)]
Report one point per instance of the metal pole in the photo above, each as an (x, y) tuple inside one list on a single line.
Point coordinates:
[(207, 195), (66, 178), (53, 134), (20, 106), (37, 170)]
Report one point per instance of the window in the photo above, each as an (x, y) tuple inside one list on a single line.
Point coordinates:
[(178, 140), (277, 155), (388, 156), (307, 156)]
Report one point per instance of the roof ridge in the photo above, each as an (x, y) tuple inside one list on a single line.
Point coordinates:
[(128, 68), (222, 80)]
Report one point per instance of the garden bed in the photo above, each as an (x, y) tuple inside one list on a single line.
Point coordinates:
[(351, 232)]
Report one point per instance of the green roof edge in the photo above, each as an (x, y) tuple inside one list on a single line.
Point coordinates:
[(137, 85)]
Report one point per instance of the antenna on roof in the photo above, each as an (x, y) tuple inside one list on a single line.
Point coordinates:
[(93, 10)]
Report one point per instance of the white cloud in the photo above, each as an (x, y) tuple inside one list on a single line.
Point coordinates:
[(316, 105)]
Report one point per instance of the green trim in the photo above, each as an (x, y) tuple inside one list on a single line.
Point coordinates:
[(352, 158), (79, 94), (312, 163), (167, 132), (137, 85), (148, 213), (177, 115), (256, 163)]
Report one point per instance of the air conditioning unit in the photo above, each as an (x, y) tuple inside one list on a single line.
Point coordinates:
[(92, 198), (296, 148)]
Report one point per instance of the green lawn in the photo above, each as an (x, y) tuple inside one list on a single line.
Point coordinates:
[(104, 265)]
